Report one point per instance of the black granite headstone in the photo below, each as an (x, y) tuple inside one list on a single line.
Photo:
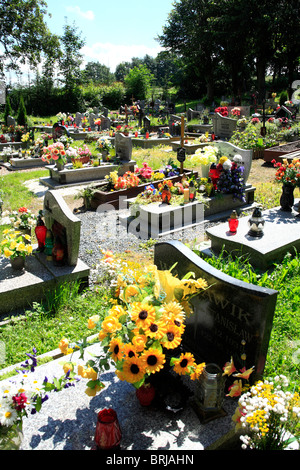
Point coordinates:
[(225, 315)]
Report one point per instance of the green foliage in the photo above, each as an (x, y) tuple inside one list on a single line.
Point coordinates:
[(24, 34), (22, 114), (138, 82), (8, 110)]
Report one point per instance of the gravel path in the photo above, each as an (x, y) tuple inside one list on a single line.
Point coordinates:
[(106, 232)]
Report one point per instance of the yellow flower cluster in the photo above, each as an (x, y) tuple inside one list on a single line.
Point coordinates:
[(13, 244), (270, 413)]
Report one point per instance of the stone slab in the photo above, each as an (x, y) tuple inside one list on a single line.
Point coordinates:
[(21, 163), (21, 289), (281, 235), (156, 219), (71, 176), (68, 419)]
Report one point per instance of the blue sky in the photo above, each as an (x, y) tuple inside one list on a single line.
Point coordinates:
[(114, 31)]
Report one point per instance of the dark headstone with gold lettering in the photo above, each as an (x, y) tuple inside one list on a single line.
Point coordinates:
[(228, 314)]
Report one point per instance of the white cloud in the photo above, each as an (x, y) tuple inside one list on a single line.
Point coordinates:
[(88, 15), (113, 54)]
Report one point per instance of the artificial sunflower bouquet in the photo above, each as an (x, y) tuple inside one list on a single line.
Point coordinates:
[(141, 333)]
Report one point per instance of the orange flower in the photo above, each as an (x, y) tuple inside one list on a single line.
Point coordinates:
[(229, 367), (235, 389), (245, 374)]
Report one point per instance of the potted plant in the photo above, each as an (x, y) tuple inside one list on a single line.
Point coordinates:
[(86, 194), (56, 152), (14, 246)]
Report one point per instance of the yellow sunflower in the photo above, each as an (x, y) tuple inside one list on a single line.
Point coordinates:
[(133, 370), (153, 360), (173, 310), (172, 339), (129, 351), (116, 348), (142, 314), (197, 371), (181, 366), (156, 330)]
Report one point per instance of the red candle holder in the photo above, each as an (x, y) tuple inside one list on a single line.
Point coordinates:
[(233, 222), (40, 232), (108, 432), (147, 135)]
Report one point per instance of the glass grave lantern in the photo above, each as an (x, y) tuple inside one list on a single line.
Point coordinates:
[(210, 393), (108, 432)]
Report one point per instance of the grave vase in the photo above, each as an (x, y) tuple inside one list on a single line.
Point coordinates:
[(145, 394), (10, 437), (17, 263), (287, 197), (60, 166), (205, 170)]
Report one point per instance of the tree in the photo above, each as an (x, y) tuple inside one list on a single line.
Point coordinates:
[(69, 64), (188, 34), (24, 36), (138, 83), (97, 73), (22, 114)]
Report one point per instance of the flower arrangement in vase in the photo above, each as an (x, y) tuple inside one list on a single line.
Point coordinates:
[(142, 331), (56, 152), (268, 415), (22, 219), (24, 395), (15, 246)]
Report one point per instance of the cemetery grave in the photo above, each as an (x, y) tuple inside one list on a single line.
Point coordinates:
[(230, 312)]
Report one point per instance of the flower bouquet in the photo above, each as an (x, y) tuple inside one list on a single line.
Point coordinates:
[(269, 415), (230, 179), (223, 110), (103, 144), (22, 219), (288, 173), (145, 172), (128, 180), (15, 244), (141, 332), (24, 395), (55, 152)]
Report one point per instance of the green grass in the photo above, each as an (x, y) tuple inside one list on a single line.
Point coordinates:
[(64, 314)]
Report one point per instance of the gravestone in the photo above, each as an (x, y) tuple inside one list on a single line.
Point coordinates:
[(105, 123), (60, 220), (229, 150), (223, 126), (228, 312), (123, 146), (105, 112), (10, 121), (146, 121), (92, 118), (78, 119)]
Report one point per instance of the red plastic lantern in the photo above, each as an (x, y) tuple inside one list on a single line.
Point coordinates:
[(40, 232), (108, 433), (135, 134), (233, 222), (147, 135)]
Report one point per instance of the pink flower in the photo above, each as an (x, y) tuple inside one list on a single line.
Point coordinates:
[(20, 401)]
